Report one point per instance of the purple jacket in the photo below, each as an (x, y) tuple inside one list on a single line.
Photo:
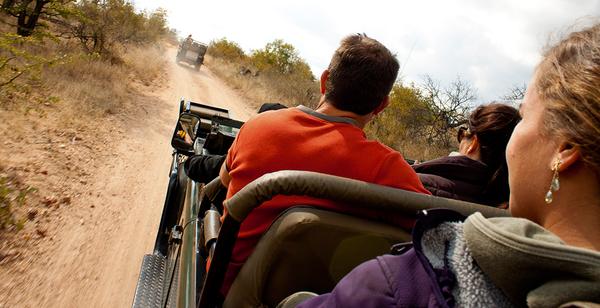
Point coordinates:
[(403, 279), (385, 287), (493, 262)]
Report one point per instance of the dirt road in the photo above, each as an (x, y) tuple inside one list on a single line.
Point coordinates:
[(94, 255)]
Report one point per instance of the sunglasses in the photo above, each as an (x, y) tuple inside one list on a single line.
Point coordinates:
[(462, 132)]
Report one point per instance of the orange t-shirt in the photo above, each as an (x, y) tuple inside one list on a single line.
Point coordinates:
[(302, 139)]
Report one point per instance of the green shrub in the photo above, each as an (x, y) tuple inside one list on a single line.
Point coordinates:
[(224, 48), (21, 57), (101, 25), (274, 73), (12, 196), (281, 57)]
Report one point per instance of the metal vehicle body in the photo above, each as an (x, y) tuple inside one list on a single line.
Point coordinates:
[(305, 249), (191, 52), (212, 132)]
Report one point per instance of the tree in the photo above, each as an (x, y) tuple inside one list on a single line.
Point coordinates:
[(224, 48), (29, 12), (155, 25), (281, 56), (17, 59), (449, 107), (404, 118), (516, 93), (104, 23)]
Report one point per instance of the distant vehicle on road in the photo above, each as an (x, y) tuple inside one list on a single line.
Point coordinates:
[(191, 52)]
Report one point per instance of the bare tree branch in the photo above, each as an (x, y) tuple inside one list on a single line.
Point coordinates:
[(517, 92), (6, 63), (449, 107), (12, 79)]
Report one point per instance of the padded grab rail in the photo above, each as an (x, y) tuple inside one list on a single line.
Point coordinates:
[(318, 185), (339, 189)]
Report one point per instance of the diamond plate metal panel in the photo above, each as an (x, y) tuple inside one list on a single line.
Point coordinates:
[(172, 300), (149, 290)]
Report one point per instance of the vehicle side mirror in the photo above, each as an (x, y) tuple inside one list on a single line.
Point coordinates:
[(185, 133)]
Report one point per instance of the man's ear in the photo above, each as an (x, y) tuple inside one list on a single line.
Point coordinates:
[(568, 155), (324, 77), (384, 103)]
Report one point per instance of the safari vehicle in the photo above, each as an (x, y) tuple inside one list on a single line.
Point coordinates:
[(305, 248), (191, 52)]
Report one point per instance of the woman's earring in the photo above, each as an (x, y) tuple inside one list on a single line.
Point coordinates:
[(554, 184)]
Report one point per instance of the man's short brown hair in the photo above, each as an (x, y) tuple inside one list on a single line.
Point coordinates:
[(361, 73)]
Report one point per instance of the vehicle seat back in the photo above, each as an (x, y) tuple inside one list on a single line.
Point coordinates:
[(308, 249)]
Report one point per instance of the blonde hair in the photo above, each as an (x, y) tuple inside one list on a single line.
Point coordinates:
[(568, 82)]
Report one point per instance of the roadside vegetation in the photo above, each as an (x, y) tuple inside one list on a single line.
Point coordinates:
[(69, 70), (13, 194), (420, 122), (275, 73), (422, 119)]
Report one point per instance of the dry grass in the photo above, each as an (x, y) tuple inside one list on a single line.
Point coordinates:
[(91, 85), (145, 63), (265, 86)]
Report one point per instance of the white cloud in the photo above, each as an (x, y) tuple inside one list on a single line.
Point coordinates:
[(492, 44)]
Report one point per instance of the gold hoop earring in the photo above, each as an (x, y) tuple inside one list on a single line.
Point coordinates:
[(554, 184)]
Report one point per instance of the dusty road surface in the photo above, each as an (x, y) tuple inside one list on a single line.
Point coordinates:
[(93, 256)]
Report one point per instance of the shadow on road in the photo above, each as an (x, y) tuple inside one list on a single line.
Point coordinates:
[(191, 68)]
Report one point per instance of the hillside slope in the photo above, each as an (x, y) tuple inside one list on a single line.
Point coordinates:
[(88, 251)]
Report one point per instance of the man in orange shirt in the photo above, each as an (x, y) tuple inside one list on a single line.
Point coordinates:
[(329, 140)]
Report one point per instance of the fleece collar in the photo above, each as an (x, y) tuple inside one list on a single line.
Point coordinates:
[(532, 266)]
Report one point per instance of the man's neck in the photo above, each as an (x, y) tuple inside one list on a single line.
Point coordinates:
[(329, 109)]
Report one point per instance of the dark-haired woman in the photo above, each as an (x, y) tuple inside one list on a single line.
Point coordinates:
[(478, 173)]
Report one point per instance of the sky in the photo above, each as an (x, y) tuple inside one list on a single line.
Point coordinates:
[(494, 45)]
